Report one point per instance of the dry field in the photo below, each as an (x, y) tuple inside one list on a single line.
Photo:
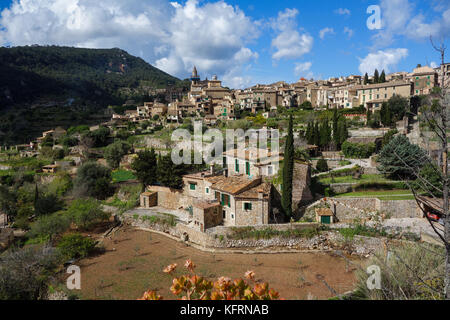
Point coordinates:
[(134, 260)]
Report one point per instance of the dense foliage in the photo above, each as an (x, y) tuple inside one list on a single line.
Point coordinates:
[(31, 72), (93, 180), (358, 150), (288, 172), (400, 158)]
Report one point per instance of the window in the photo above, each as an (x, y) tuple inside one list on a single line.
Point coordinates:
[(224, 214), (247, 168), (225, 200), (236, 165), (232, 216), (247, 206), (192, 186), (207, 190), (269, 170)]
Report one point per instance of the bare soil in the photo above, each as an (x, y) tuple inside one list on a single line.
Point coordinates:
[(134, 260)]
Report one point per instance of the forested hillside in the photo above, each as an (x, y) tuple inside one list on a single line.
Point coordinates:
[(29, 73), (44, 87)]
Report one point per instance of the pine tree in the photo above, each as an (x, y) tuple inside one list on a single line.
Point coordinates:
[(288, 171), (376, 76), (366, 78), (145, 166), (383, 77)]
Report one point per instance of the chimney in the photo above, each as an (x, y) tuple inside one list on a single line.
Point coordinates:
[(211, 169)]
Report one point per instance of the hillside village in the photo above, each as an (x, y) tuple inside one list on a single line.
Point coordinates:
[(343, 196)]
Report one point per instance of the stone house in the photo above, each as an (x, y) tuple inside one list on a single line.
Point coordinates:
[(252, 162), (216, 199)]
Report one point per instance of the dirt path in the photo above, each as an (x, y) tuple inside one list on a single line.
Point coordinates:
[(134, 260)]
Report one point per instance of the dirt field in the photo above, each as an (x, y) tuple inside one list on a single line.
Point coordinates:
[(134, 260)]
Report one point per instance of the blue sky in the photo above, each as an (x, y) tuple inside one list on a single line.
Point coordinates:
[(243, 42)]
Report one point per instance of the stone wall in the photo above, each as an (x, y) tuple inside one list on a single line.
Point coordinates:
[(257, 216), (349, 209), (171, 198)]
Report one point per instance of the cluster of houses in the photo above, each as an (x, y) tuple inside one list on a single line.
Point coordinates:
[(213, 102), (241, 194)]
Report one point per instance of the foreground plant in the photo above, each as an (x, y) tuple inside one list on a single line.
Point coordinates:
[(195, 287)]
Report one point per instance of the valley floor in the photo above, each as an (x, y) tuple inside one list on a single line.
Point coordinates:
[(134, 260)]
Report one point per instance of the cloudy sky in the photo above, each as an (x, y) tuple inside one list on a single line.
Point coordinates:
[(243, 42)]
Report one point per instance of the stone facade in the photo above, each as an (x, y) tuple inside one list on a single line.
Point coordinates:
[(301, 181), (206, 215), (149, 199), (349, 209)]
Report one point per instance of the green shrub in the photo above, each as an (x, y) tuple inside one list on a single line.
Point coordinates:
[(75, 246), (322, 165), (269, 233), (358, 150), (86, 213), (50, 225)]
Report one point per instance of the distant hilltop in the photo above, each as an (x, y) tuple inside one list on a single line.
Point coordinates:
[(98, 76)]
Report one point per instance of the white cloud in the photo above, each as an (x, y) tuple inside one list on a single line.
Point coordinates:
[(289, 43), (382, 60), (324, 32), (400, 19), (349, 32), (303, 69), (342, 11), (170, 35), (433, 64)]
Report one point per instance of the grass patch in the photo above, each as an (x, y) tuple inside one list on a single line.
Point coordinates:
[(361, 230), (269, 233), (123, 176), (162, 218), (365, 178), (382, 195)]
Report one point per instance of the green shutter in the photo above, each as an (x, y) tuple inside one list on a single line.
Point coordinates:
[(192, 186), (325, 219), (236, 166), (247, 168)]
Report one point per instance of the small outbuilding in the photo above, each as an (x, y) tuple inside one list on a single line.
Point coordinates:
[(324, 215), (148, 199)]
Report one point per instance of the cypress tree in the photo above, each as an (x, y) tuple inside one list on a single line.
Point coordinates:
[(335, 129), (316, 138), (369, 115), (388, 116), (309, 133), (288, 171), (376, 76), (366, 78), (343, 132), (383, 77)]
